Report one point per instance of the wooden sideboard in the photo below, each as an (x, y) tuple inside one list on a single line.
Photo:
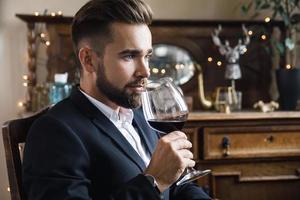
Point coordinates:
[(252, 155)]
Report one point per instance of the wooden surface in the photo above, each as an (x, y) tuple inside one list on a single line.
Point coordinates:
[(207, 116), (262, 160)]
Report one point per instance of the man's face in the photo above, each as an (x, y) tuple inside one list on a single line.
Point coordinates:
[(122, 71)]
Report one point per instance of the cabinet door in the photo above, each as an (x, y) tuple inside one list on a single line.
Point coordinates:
[(232, 187), (252, 162)]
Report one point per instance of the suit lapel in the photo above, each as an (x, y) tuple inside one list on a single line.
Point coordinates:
[(110, 130), (106, 127), (146, 133)]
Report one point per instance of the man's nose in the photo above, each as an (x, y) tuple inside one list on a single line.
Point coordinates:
[(143, 69)]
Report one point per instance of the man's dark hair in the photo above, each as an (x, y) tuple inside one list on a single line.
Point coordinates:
[(92, 22)]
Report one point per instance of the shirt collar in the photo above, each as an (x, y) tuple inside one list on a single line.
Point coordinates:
[(119, 115)]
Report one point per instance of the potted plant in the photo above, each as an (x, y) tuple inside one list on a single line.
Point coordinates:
[(288, 77)]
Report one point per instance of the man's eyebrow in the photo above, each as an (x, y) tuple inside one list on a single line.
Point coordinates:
[(134, 51)]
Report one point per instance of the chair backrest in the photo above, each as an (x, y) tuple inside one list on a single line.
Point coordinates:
[(14, 134)]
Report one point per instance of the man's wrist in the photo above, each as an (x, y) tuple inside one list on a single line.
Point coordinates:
[(152, 181)]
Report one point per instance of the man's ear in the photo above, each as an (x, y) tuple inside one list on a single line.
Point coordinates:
[(87, 59)]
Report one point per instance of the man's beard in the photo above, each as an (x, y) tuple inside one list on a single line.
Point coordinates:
[(119, 96)]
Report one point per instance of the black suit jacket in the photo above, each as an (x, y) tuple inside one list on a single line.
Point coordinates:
[(75, 152)]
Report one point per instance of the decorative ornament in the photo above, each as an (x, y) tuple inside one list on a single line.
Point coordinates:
[(232, 54), (266, 107)]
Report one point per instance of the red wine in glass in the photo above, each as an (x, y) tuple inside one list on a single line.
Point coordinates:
[(166, 126), (169, 124)]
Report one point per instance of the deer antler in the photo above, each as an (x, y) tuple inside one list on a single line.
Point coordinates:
[(223, 48), (247, 39), (241, 47)]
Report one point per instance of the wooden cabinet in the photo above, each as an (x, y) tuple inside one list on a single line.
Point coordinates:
[(252, 155)]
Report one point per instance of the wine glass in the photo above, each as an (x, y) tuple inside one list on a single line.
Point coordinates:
[(165, 111)]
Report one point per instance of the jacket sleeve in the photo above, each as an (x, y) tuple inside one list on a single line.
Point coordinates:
[(56, 165), (190, 191), (138, 188)]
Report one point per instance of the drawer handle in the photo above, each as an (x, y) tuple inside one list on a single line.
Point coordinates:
[(269, 139), (226, 146)]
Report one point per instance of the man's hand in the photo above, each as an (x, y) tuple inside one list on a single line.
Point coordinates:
[(170, 158)]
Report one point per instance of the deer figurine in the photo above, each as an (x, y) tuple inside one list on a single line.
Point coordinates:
[(232, 54)]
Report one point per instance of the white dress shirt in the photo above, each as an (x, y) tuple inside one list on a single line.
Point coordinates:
[(122, 119)]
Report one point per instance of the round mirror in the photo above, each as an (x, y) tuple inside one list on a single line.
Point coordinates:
[(172, 61)]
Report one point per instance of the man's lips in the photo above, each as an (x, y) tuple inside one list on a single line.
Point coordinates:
[(137, 88)]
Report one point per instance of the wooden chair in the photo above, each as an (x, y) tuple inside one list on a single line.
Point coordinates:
[(14, 134)]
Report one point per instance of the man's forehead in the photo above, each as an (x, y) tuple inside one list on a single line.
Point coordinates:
[(131, 36), (125, 29)]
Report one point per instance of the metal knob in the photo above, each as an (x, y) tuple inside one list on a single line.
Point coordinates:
[(226, 146), (269, 139)]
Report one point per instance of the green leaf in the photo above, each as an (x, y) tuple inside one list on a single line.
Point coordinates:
[(274, 14), (265, 6), (246, 7), (295, 18), (295, 2), (286, 19), (280, 47), (257, 4), (297, 28), (245, 10)]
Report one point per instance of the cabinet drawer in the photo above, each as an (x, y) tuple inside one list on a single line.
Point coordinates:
[(251, 142)]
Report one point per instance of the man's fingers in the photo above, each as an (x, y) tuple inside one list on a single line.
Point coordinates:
[(190, 163), (181, 144), (175, 135), (186, 154)]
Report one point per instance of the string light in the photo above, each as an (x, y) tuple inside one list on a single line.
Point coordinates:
[(20, 104), (155, 70), (25, 84), (250, 32), (25, 77), (47, 43), (52, 14), (219, 63), (288, 66), (267, 19), (163, 71), (209, 59), (43, 35), (263, 37), (8, 189)]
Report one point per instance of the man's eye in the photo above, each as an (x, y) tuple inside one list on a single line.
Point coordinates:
[(128, 57)]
